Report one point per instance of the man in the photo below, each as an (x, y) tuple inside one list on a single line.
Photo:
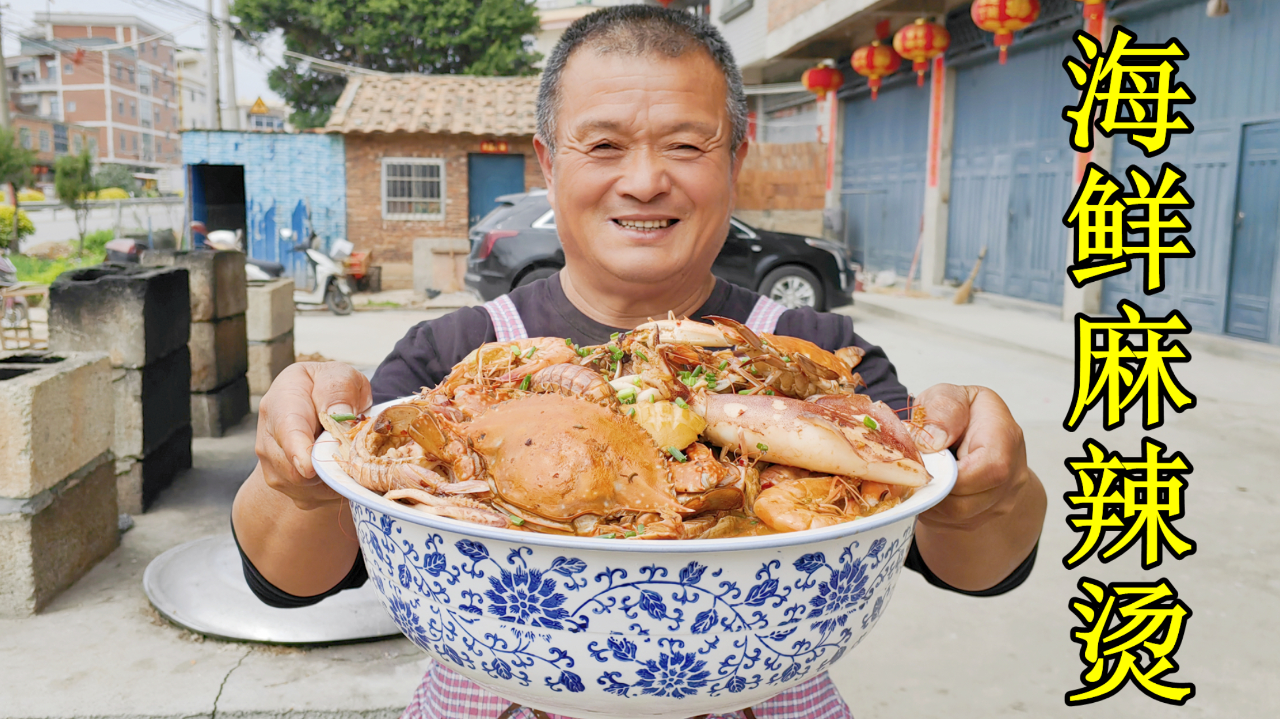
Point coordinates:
[(641, 134)]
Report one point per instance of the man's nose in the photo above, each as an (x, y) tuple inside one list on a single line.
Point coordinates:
[(644, 176)]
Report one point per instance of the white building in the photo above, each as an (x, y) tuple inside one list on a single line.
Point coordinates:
[(193, 84)]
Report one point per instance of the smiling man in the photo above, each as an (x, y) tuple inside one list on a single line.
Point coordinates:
[(641, 134)]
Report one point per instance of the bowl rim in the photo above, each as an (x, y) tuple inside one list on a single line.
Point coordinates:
[(940, 465)]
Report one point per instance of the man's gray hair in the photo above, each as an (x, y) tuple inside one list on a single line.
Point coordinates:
[(638, 30)]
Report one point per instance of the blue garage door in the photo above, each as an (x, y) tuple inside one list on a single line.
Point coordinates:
[(488, 178), (885, 145), (1233, 73), (1011, 173)]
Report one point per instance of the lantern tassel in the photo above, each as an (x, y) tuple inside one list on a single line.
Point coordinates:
[(1004, 53)]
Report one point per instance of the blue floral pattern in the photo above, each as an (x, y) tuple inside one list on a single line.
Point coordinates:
[(512, 616)]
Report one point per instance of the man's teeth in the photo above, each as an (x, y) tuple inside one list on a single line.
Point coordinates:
[(644, 224)]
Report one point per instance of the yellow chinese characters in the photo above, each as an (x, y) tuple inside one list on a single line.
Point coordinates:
[(1132, 86), (1102, 217), (1140, 496), (1131, 632), (1118, 372)]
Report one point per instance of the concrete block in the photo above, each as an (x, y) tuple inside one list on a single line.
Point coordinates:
[(268, 359), (217, 280), (270, 312), (213, 413), (428, 252), (49, 541), (139, 481), (136, 315), (219, 352), (56, 414), (151, 403)]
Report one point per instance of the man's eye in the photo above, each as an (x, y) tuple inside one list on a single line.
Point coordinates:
[(602, 146)]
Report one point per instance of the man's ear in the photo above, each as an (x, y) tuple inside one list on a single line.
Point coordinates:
[(739, 157), (544, 161)]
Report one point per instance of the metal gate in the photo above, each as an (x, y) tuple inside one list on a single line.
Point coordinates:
[(1011, 173), (1233, 89), (883, 170)]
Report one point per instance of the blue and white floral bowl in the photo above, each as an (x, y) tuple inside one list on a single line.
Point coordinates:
[(600, 628)]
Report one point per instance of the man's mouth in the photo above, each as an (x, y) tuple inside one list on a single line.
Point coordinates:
[(646, 224)]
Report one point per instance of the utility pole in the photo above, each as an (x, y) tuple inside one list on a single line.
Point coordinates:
[(211, 32), (232, 119)]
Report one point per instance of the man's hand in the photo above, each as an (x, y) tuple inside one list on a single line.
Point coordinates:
[(288, 425), (993, 517)]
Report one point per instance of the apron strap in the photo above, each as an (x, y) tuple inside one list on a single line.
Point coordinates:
[(764, 316), (506, 319)]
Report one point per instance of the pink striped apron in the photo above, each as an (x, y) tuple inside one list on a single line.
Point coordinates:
[(445, 694)]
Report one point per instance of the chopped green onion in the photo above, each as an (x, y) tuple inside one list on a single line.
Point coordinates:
[(681, 403), (640, 528), (642, 357), (744, 391), (698, 372), (610, 535), (769, 392), (679, 456), (524, 383), (630, 533), (762, 446), (870, 423), (614, 336), (653, 398), (568, 341), (631, 412), (627, 390), (629, 399), (342, 417), (636, 381), (529, 352), (723, 365), (515, 520), (786, 358)]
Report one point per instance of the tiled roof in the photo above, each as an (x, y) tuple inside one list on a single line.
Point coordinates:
[(438, 104)]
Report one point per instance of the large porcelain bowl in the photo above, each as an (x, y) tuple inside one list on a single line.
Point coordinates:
[(611, 628)]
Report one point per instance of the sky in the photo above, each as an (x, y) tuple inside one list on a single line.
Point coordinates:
[(251, 70)]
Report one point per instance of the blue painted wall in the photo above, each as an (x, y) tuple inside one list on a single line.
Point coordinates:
[(284, 175)]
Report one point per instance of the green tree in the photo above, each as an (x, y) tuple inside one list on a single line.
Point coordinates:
[(73, 178), (15, 171), (115, 175), (435, 37)]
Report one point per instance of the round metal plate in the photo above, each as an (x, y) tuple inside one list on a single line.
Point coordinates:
[(200, 585)]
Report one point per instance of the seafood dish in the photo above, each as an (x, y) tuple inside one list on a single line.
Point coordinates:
[(675, 430)]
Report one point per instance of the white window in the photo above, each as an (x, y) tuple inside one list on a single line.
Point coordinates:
[(71, 105), (123, 146), (44, 141), (68, 69), (412, 188)]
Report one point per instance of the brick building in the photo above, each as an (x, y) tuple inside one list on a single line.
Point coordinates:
[(51, 139), (427, 155), (110, 72)]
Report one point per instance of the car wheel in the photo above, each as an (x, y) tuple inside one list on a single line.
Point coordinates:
[(793, 287), (537, 273)]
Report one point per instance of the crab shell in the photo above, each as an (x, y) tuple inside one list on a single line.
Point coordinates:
[(562, 457)]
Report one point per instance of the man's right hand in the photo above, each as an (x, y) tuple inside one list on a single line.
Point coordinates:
[(288, 424)]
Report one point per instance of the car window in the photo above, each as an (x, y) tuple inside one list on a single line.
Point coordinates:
[(491, 219), (737, 231)]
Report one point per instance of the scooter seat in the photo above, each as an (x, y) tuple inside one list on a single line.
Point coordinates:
[(274, 269)]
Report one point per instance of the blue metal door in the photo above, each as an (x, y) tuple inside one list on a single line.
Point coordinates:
[(1011, 174), (883, 171), (490, 177), (1257, 232)]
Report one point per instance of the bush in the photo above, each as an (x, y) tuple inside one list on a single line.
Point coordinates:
[(110, 193), (44, 271), (30, 196), (114, 175), (25, 226), (95, 243)]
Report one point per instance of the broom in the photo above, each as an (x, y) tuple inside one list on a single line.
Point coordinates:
[(963, 294)]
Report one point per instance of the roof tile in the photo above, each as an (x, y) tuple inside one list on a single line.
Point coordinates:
[(438, 104)]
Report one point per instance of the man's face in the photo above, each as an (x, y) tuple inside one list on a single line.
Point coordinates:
[(643, 172)]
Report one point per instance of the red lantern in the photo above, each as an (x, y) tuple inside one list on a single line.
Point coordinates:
[(1004, 18), (920, 43), (1093, 9), (666, 3), (822, 79), (874, 62)]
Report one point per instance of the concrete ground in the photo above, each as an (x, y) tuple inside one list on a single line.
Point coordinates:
[(101, 651)]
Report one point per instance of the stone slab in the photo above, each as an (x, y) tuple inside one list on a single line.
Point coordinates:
[(51, 541), (213, 413), (426, 257), (140, 480), (136, 315), (56, 414), (151, 404), (270, 311), (218, 286), (267, 360), (219, 352)]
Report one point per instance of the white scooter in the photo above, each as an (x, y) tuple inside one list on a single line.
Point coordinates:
[(326, 281)]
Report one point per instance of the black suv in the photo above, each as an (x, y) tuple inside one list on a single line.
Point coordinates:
[(516, 243)]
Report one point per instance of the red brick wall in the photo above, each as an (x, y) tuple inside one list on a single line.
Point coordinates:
[(392, 240)]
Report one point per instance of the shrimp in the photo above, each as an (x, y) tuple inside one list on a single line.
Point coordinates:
[(798, 504)]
